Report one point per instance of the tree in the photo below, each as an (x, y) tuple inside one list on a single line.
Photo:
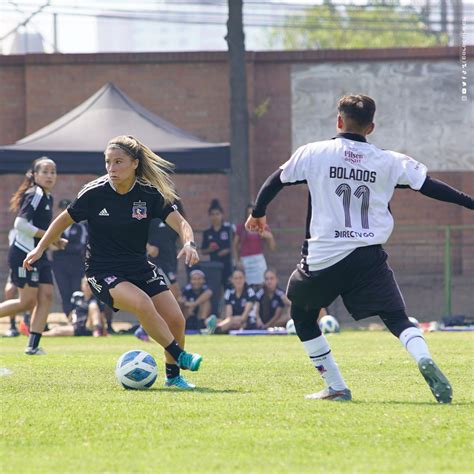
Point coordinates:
[(380, 24), (239, 120)]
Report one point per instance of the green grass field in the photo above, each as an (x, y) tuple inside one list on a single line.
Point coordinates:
[(65, 412)]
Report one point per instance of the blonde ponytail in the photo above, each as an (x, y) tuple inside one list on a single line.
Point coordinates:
[(152, 169)]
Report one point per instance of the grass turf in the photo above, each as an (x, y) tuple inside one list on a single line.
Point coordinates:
[(65, 412)]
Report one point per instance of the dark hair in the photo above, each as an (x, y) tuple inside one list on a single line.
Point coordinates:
[(27, 183), (215, 206), (360, 109)]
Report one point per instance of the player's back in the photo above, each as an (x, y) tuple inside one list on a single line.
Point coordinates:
[(351, 183)]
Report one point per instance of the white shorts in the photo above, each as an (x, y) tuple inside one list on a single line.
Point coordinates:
[(254, 267)]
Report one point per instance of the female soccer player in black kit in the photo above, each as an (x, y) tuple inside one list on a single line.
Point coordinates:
[(350, 184), (34, 206), (118, 208)]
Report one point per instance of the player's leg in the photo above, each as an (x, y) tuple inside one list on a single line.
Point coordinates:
[(9, 293), (168, 308), (301, 292), (412, 339), (204, 310), (228, 324), (127, 296), (39, 317)]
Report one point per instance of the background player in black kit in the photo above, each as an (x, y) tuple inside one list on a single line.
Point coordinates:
[(34, 206), (118, 208), (217, 240), (351, 183)]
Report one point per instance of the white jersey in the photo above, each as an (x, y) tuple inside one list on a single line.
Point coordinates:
[(351, 183)]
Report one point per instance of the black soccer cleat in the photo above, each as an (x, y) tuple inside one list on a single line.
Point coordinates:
[(436, 380)]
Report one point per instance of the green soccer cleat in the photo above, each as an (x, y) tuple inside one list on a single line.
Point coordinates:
[(436, 380), (189, 361), (211, 323), (179, 382), (331, 394)]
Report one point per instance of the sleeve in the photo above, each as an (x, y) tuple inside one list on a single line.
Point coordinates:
[(227, 297), (409, 171), (281, 303), (441, 191), (161, 209), (79, 208), (296, 168), (205, 239), (251, 295), (28, 205), (259, 295)]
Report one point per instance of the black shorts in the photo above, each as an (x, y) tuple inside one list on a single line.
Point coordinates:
[(41, 273), (363, 279), (81, 330), (148, 278), (170, 275)]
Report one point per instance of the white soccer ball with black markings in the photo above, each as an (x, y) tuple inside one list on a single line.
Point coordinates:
[(290, 327), (329, 324), (136, 370)]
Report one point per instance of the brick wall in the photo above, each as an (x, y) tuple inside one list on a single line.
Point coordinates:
[(191, 91)]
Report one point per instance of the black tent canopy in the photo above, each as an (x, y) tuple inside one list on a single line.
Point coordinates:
[(76, 141)]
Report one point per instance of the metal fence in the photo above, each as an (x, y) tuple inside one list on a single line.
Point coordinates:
[(434, 266)]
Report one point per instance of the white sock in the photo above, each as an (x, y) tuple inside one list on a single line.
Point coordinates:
[(320, 354), (414, 343)]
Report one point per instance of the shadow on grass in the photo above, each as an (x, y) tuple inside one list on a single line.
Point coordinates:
[(401, 402), (203, 390)]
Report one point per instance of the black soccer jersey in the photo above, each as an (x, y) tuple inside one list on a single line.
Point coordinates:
[(191, 295), (118, 224), (165, 238), (37, 208), (267, 309), (81, 308), (238, 303), (223, 238)]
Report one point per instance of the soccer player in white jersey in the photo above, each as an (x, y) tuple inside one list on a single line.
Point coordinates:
[(350, 183)]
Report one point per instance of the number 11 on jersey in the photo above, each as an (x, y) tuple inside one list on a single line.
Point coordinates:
[(362, 192)]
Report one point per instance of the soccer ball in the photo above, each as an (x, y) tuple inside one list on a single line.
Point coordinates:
[(414, 321), (290, 327), (136, 370), (329, 324)]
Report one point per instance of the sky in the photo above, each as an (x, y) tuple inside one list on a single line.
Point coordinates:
[(79, 33)]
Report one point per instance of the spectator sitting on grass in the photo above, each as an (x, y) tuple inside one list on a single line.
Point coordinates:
[(272, 302), (86, 315), (196, 300), (239, 306)]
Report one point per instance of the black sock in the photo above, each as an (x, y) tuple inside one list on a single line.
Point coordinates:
[(12, 323), (172, 371), (174, 350), (34, 339)]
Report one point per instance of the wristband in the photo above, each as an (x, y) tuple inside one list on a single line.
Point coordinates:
[(191, 244)]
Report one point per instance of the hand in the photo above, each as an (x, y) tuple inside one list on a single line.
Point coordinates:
[(61, 243), (191, 256), (266, 234), (32, 257), (223, 252), (213, 246), (152, 250), (256, 224)]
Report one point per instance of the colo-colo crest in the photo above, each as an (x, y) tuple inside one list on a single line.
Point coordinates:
[(139, 210)]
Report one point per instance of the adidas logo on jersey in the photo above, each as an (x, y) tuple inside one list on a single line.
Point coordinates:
[(103, 212)]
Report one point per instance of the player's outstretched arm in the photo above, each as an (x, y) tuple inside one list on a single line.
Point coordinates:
[(181, 226), (441, 191), (57, 227), (270, 188)]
